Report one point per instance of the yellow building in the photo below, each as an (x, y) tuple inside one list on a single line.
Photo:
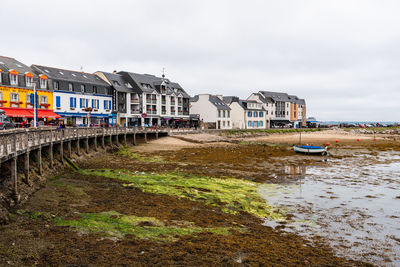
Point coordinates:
[(14, 97), (17, 82)]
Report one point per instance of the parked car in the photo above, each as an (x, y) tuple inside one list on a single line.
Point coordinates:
[(5, 122)]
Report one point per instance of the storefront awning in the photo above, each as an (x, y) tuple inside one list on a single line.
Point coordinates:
[(46, 113), (18, 112)]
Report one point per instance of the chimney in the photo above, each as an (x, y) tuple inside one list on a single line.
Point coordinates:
[(114, 72)]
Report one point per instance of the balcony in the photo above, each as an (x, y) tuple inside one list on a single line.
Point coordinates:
[(179, 103), (180, 113), (164, 112), (154, 101), (163, 102)]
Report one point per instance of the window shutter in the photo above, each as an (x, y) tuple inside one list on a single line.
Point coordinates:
[(58, 101), (109, 104), (87, 103), (92, 103), (105, 104), (71, 102), (98, 103), (74, 102)]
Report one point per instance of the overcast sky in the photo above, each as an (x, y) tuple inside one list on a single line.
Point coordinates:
[(343, 57)]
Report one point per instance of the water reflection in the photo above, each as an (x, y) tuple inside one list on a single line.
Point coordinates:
[(352, 203)]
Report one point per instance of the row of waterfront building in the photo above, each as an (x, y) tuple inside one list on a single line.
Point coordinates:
[(131, 99)]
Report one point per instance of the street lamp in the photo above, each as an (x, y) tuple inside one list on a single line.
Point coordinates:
[(34, 106)]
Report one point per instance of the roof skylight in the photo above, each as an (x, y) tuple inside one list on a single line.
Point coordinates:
[(61, 72)]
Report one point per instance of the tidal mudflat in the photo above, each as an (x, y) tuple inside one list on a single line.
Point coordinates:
[(172, 202)]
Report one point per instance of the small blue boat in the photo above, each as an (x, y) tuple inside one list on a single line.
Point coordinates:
[(316, 150)]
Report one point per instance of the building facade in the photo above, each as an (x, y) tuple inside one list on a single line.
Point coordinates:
[(156, 100), (79, 98), (246, 114), (213, 111), (17, 84)]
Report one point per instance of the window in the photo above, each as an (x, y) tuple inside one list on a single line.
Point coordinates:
[(14, 97), (261, 114), (72, 102), (287, 112), (82, 88), (58, 102), (56, 86), (219, 113), (255, 114), (227, 123), (70, 87), (249, 113), (95, 89), (248, 124), (223, 114), (43, 99), (0, 76), (229, 114), (29, 81), (223, 123), (43, 83), (1, 95), (13, 79), (272, 113), (261, 123), (266, 112)]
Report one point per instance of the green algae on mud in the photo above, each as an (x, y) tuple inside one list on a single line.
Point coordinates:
[(230, 194), (114, 224)]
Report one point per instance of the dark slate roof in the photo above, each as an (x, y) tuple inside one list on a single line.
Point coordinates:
[(118, 82), (276, 96), (69, 75), (229, 99), (216, 101), (243, 104), (8, 63), (301, 102), (147, 83)]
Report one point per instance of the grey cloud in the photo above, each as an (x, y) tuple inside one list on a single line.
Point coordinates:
[(342, 56)]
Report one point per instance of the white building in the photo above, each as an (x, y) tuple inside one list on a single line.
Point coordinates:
[(214, 112), (246, 114), (79, 98)]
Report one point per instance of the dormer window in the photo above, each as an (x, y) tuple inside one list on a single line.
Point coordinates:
[(128, 85), (70, 87), (43, 81), (56, 86), (13, 77), (29, 79), (83, 88)]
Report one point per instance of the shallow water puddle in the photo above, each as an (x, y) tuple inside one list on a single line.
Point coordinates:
[(353, 203)]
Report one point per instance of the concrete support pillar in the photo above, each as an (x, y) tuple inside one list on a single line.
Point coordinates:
[(111, 142), (51, 155), (117, 137), (26, 167), (87, 144), (62, 151), (14, 177), (102, 142), (156, 134), (95, 143), (39, 159), (70, 148), (145, 137), (134, 139), (78, 147), (125, 139)]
